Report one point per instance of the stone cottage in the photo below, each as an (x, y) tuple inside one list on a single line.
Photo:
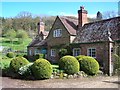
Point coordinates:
[(62, 32), (98, 39)]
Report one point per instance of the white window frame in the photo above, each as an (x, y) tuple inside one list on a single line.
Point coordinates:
[(57, 33), (75, 52), (30, 52), (53, 52), (90, 53)]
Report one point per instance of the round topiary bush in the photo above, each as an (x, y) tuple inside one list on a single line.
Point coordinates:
[(10, 54), (17, 63), (69, 64), (89, 65), (41, 69)]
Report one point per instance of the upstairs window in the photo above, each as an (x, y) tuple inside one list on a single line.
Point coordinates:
[(57, 33), (76, 51), (92, 52)]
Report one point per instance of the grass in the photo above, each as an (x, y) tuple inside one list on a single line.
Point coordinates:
[(16, 45)]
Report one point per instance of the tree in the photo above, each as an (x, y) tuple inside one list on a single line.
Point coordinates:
[(109, 14), (22, 35), (99, 15), (11, 34)]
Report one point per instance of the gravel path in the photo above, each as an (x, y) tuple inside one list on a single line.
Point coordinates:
[(91, 82)]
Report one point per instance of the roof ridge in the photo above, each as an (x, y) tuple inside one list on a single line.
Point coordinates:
[(101, 20)]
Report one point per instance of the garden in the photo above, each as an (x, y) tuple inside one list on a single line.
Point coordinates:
[(17, 66)]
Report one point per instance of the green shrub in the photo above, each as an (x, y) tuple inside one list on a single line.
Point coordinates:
[(63, 52), (10, 54), (89, 65), (38, 56), (69, 64), (41, 69), (17, 63), (25, 70), (116, 64)]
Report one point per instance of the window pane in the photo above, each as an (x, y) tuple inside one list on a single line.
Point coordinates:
[(92, 52), (53, 52), (76, 51)]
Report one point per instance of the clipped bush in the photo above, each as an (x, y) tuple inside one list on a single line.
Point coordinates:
[(89, 65), (10, 54), (69, 64), (41, 69), (63, 52), (17, 63), (38, 56)]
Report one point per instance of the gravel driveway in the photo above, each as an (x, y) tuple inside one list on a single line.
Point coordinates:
[(91, 82)]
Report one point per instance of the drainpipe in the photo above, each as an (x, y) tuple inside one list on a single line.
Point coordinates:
[(110, 70), (110, 46)]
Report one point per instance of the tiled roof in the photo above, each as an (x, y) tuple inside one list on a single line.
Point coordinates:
[(36, 42), (70, 24), (98, 31)]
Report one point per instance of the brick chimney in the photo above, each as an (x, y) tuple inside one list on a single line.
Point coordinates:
[(40, 27), (82, 16)]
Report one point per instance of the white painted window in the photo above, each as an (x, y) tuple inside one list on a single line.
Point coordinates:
[(53, 52), (91, 52), (30, 52), (57, 33), (76, 51)]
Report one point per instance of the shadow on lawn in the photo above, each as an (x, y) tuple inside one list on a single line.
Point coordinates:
[(14, 42)]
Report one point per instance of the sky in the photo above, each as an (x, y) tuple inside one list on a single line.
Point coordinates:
[(11, 9)]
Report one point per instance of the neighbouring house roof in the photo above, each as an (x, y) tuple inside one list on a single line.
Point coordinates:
[(36, 43), (98, 31), (70, 24)]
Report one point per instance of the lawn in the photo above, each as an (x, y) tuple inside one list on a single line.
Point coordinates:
[(16, 45)]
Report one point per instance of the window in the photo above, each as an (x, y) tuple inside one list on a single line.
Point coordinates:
[(30, 52), (92, 52), (37, 51), (53, 52), (57, 33), (76, 51)]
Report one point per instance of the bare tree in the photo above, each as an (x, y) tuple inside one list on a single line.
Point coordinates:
[(110, 14)]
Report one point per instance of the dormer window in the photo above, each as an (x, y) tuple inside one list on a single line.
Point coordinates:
[(57, 33)]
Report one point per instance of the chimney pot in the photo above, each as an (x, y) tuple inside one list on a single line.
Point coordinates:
[(81, 7)]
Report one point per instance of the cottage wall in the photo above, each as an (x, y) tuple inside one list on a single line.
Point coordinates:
[(101, 52), (53, 42), (64, 39)]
